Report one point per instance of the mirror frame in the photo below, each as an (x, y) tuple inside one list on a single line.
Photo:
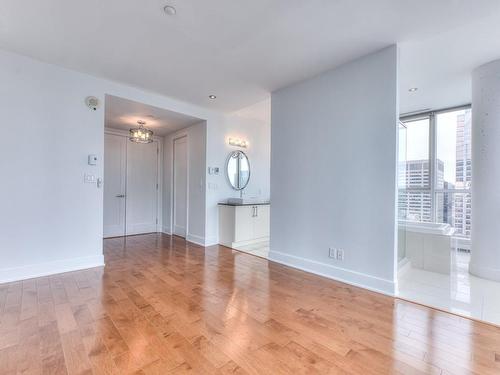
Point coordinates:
[(249, 169)]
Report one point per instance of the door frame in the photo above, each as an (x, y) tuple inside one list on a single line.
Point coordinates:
[(176, 137), (159, 174)]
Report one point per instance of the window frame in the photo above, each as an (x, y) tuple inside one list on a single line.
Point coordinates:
[(432, 188)]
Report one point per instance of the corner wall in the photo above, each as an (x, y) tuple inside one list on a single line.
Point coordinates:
[(333, 181)]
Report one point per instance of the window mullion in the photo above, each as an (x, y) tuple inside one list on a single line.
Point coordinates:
[(432, 164)]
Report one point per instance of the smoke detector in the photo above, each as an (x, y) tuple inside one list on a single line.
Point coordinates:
[(170, 10), (92, 102)]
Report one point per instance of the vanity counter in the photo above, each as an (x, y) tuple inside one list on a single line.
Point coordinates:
[(244, 204)]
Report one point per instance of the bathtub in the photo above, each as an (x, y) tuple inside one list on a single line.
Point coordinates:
[(427, 245)]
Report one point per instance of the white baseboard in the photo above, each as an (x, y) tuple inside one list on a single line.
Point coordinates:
[(358, 279), (166, 230), (141, 229), (235, 245), (483, 272), (50, 268), (199, 240), (211, 241)]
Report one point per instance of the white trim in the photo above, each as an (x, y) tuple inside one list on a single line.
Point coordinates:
[(199, 240), (254, 241), (166, 230), (404, 265), (179, 135), (136, 229), (489, 273), (373, 283), (211, 241), (50, 268)]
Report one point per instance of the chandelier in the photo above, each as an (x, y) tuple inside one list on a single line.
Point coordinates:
[(141, 134)]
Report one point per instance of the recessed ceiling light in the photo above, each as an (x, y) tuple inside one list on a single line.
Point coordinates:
[(212, 97), (413, 89), (170, 10)]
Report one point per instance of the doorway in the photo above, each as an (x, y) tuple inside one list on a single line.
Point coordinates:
[(130, 186), (180, 186)]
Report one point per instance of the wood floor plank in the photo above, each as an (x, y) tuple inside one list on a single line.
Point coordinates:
[(165, 306)]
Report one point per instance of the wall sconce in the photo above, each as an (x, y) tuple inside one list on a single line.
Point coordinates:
[(238, 142)]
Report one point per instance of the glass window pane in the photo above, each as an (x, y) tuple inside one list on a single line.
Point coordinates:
[(453, 149), (455, 209), (414, 206), (417, 154)]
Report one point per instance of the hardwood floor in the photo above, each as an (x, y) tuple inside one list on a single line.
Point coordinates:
[(164, 306)]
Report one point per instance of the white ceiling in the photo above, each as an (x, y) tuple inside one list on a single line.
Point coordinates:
[(440, 65), (242, 50), (123, 114)]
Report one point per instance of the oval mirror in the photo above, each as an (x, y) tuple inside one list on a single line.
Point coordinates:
[(238, 170)]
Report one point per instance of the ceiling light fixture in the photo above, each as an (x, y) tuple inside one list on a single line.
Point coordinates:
[(212, 97), (413, 89), (141, 134), (169, 10)]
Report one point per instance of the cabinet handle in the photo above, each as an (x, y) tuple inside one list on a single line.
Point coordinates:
[(256, 211)]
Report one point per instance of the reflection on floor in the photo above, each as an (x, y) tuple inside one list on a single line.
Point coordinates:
[(460, 292), (260, 249)]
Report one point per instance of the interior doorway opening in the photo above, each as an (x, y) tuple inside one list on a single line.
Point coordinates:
[(146, 178)]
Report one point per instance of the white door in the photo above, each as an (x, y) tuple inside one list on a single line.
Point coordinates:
[(180, 187), (115, 163), (142, 188)]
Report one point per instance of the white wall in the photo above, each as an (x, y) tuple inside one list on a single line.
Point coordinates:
[(50, 221), (333, 181), (253, 125), (196, 139)]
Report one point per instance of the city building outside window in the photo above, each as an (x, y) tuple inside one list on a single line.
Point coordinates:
[(434, 169)]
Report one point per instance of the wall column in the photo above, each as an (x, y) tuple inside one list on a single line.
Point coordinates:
[(485, 233)]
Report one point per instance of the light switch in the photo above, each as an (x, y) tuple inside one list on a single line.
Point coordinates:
[(213, 170), (89, 178)]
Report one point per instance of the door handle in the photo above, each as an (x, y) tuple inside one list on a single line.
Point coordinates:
[(120, 196), (255, 211)]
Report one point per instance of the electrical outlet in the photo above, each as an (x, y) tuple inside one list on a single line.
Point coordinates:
[(340, 254), (332, 253)]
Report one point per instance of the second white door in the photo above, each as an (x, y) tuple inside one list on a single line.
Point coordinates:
[(180, 203)]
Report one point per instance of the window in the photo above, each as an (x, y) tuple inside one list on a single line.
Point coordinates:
[(435, 169)]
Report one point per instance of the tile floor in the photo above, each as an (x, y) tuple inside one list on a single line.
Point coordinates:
[(260, 249), (460, 292)]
